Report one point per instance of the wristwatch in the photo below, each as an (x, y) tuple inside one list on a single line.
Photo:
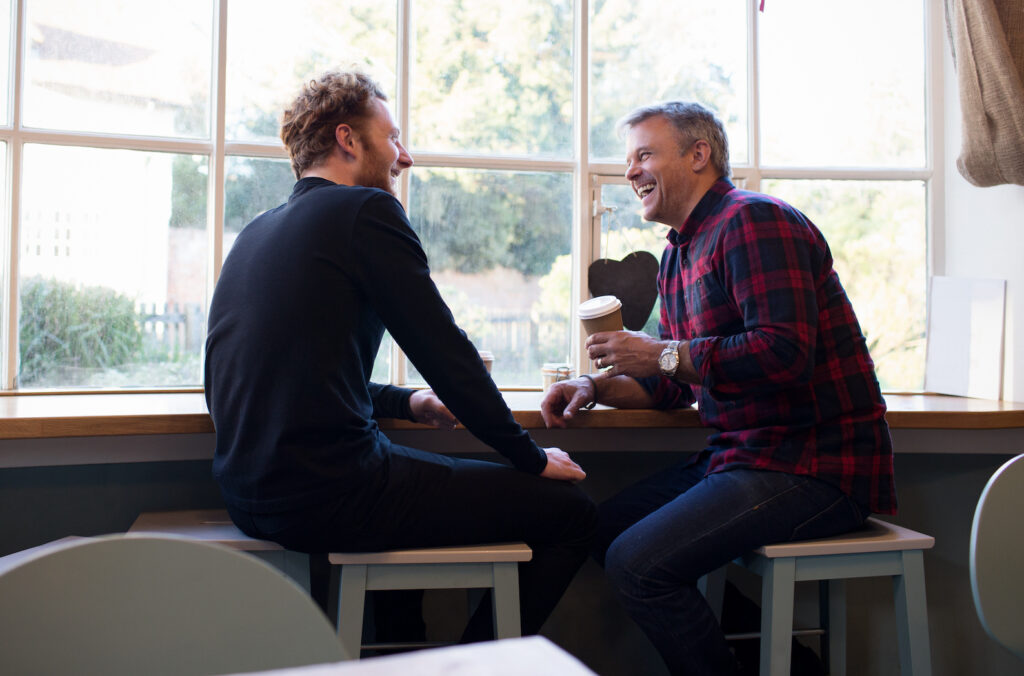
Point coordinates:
[(669, 359)]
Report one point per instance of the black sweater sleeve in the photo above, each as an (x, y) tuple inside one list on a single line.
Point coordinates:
[(392, 268), (390, 401)]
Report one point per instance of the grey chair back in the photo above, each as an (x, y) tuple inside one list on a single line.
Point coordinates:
[(154, 605), (997, 556)]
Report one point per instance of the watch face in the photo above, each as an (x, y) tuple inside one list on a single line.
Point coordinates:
[(668, 361)]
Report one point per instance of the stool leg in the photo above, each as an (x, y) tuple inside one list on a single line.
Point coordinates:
[(912, 616), (836, 628), (296, 566), (777, 616), (351, 599), (293, 564), (712, 586), (506, 600)]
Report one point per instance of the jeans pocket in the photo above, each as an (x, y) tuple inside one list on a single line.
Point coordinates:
[(841, 516)]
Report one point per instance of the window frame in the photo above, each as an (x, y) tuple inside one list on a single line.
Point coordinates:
[(588, 173)]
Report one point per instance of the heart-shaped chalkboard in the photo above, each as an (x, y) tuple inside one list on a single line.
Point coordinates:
[(633, 280)]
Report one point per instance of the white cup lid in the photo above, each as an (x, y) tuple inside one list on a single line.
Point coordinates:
[(598, 307), (486, 355)]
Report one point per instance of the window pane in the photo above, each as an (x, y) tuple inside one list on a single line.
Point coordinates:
[(5, 67), (252, 185), (642, 51), (273, 48), (499, 246), (119, 66), (493, 76), (876, 231), (863, 104), (112, 273), (624, 231), (4, 220)]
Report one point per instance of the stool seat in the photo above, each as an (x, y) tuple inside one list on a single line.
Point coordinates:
[(876, 536), (489, 553), (205, 525)]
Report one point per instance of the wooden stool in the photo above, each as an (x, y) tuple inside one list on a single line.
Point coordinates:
[(879, 549), (492, 567), (214, 525)]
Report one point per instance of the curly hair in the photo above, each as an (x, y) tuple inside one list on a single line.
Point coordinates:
[(693, 122), (308, 124)]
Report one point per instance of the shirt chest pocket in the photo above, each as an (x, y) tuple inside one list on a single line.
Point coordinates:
[(710, 309)]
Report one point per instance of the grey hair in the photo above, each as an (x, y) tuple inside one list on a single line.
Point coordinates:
[(693, 121)]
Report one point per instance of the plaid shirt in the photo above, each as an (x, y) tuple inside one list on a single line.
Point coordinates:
[(786, 378)]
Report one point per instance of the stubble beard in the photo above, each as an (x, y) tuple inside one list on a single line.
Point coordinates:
[(379, 177)]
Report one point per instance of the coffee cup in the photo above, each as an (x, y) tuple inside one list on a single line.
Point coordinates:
[(487, 357), (551, 373), (603, 313)]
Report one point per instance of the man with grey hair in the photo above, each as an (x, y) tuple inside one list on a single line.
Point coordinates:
[(757, 329)]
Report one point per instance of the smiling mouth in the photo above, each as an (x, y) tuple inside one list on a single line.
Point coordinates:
[(643, 191)]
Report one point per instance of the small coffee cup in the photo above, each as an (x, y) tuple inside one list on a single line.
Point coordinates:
[(487, 357), (603, 313)]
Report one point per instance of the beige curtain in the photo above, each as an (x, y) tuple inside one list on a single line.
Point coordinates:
[(987, 38)]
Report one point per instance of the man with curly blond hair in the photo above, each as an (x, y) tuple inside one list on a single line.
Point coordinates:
[(297, 317)]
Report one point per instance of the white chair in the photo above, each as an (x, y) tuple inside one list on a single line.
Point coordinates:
[(997, 556), (152, 605)]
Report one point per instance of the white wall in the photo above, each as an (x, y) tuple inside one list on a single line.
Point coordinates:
[(985, 236)]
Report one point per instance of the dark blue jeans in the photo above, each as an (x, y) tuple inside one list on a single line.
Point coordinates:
[(432, 500), (658, 537)]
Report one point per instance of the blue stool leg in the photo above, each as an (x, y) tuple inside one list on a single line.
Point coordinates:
[(777, 615), (506, 600), (351, 598), (293, 564), (912, 616), (836, 628)]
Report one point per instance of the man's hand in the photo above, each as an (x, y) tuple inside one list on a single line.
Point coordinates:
[(427, 408), (563, 399), (560, 466), (628, 353)]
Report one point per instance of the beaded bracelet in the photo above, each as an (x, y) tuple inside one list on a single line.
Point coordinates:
[(587, 407)]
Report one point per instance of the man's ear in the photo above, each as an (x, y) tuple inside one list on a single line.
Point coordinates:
[(701, 154), (347, 141)]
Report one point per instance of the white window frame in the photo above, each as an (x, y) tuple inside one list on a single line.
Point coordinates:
[(588, 176)]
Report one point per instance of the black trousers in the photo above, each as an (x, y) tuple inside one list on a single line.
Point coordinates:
[(431, 500)]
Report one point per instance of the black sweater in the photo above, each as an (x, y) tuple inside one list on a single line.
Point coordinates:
[(296, 320)]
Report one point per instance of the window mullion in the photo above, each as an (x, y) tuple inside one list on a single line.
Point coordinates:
[(215, 208), (584, 231), (399, 364), (10, 311), (753, 96)]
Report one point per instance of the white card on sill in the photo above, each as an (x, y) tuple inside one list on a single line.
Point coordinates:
[(965, 337)]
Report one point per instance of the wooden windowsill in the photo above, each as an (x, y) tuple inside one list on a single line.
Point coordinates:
[(40, 416)]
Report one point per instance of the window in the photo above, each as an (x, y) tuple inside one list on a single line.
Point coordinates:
[(836, 130), (138, 139)]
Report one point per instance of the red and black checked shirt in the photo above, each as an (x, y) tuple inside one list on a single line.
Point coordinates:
[(786, 378)]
